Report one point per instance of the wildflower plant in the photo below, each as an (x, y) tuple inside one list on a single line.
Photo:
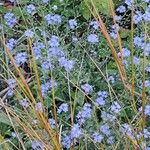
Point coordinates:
[(74, 78)]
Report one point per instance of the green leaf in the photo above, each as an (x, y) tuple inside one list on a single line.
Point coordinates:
[(101, 5), (85, 11)]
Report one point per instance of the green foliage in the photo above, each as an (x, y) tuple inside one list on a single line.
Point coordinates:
[(101, 5)]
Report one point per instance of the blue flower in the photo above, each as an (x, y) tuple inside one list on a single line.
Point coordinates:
[(11, 44), (24, 103), (54, 41), (127, 130), (36, 145), (136, 60), (72, 23), (105, 129), (45, 1), (129, 3), (137, 17), (66, 141), (87, 88), (52, 122), (53, 19), (37, 47), (115, 107), (63, 108), (121, 9), (110, 140), (97, 137), (10, 19), (47, 65), (107, 116), (147, 110), (147, 49), (39, 107), (92, 38), (125, 52), (66, 64), (94, 25), (31, 9), (146, 15), (46, 87), (84, 114), (76, 131), (139, 42), (29, 33), (101, 99), (21, 58), (147, 68)]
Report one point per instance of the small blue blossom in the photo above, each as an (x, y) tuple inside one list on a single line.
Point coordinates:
[(52, 122), (37, 47), (36, 145), (115, 29), (121, 9), (31, 9), (84, 114), (63, 108), (110, 140), (105, 129), (10, 19), (45, 1), (127, 130), (115, 107), (125, 52), (87, 88), (39, 107), (94, 25), (54, 41), (47, 65), (55, 52), (14, 135), (21, 58), (111, 79), (11, 44), (66, 64), (53, 19), (66, 141), (92, 38), (55, 7), (11, 85), (147, 49), (147, 148), (29, 33), (129, 3), (76, 131), (113, 34), (24, 103), (107, 117), (147, 110), (139, 42), (137, 17), (72, 23), (46, 87), (117, 18), (146, 15), (147, 68), (136, 60), (101, 99), (97, 137)]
